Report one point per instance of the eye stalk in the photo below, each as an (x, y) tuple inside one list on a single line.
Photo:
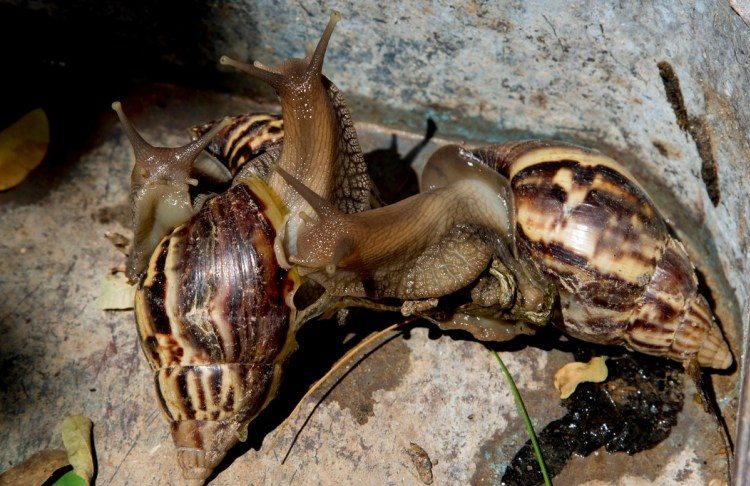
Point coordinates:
[(160, 197), (292, 73), (320, 145)]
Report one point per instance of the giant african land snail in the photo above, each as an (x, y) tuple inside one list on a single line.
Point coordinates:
[(214, 306), (569, 215)]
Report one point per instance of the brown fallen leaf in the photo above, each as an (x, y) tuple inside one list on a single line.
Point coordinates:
[(22, 147), (76, 435), (36, 469), (571, 375), (421, 461)]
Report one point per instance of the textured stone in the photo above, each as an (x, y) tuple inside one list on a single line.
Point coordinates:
[(579, 71)]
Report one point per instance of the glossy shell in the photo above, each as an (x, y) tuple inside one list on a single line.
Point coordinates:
[(214, 323), (585, 224), (246, 138)]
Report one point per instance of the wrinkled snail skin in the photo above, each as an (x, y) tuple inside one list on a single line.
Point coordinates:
[(320, 147), (584, 222)]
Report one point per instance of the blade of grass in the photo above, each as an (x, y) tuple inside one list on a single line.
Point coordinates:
[(526, 420)]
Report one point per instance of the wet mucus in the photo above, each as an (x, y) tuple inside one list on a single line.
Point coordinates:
[(632, 411)]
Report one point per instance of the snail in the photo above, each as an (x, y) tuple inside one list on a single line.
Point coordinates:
[(536, 214), (214, 303)]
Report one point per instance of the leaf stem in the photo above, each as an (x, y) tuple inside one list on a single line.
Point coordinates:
[(526, 420)]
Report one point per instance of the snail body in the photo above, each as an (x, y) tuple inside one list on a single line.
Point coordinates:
[(552, 213), (214, 302)]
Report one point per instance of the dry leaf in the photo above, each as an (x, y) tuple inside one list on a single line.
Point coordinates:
[(116, 293), (36, 469), (76, 435), (421, 461), (569, 376), (22, 147)]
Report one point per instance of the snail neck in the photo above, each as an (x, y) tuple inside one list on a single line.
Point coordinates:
[(309, 153), (414, 225), (311, 127), (395, 236), (310, 143)]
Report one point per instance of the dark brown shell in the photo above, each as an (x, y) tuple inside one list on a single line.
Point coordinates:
[(584, 223), (214, 324)]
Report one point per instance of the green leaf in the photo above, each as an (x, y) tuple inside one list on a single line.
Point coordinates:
[(76, 435), (70, 478), (526, 420)]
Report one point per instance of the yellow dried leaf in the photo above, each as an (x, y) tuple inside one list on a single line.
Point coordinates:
[(116, 293), (22, 147), (569, 376), (76, 435)]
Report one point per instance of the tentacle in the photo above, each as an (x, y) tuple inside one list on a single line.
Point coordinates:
[(160, 195), (322, 207), (315, 68), (257, 70), (288, 74)]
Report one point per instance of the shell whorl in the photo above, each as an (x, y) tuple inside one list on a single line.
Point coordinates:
[(245, 139), (214, 324), (587, 225)]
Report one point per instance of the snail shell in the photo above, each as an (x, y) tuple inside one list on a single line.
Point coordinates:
[(214, 320), (552, 213), (591, 229), (245, 138)]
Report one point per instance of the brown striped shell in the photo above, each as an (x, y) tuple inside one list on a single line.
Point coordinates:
[(214, 322), (246, 138), (584, 223)]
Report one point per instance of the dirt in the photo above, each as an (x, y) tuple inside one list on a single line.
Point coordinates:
[(696, 127), (380, 371)]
